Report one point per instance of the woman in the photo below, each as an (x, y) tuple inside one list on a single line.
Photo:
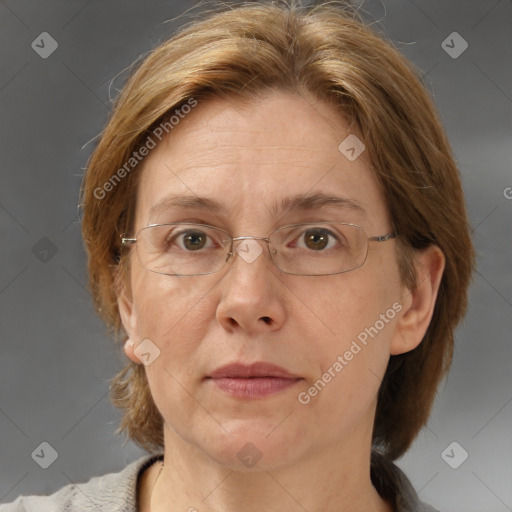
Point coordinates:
[(276, 231)]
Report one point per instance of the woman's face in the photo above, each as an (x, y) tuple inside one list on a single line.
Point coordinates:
[(336, 329)]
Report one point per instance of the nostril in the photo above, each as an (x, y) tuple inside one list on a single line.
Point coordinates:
[(266, 319)]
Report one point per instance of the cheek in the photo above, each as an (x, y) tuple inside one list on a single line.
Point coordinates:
[(350, 359), (349, 372), (348, 303), (173, 312)]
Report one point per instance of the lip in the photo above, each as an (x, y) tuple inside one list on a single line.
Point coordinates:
[(254, 370), (256, 380)]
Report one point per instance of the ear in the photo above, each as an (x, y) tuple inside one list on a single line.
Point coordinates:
[(418, 305), (128, 350), (129, 320)]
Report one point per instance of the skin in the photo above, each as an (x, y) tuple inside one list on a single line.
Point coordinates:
[(314, 456)]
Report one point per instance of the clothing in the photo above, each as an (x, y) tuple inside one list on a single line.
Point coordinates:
[(116, 492)]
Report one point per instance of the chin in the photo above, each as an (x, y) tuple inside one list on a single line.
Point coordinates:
[(255, 445)]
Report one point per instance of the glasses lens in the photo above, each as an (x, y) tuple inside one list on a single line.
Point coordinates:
[(319, 249), (182, 249)]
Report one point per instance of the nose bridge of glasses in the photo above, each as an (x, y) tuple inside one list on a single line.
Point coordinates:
[(235, 238), (244, 238)]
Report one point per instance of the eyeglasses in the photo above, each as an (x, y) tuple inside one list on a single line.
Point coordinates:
[(310, 249)]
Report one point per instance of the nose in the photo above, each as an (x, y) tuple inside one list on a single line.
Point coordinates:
[(252, 296)]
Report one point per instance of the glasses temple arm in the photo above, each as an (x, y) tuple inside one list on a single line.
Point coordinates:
[(382, 238), (127, 241)]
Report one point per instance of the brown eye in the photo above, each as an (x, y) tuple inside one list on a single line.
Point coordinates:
[(194, 240), (317, 239)]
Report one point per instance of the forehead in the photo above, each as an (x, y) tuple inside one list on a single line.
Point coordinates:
[(254, 160)]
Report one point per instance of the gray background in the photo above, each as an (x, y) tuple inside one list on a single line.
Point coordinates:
[(55, 357)]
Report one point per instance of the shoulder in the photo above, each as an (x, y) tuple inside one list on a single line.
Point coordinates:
[(113, 492), (393, 485)]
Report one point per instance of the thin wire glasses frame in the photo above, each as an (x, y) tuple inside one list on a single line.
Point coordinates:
[(356, 234)]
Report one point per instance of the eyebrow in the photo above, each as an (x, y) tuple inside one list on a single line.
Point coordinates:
[(298, 202)]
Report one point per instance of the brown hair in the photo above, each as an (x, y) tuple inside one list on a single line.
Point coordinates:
[(326, 52)]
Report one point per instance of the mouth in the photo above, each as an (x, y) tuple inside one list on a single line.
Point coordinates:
[(257, 380)]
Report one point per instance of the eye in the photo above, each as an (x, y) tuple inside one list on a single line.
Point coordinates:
[(191, 240), (317, 239)]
